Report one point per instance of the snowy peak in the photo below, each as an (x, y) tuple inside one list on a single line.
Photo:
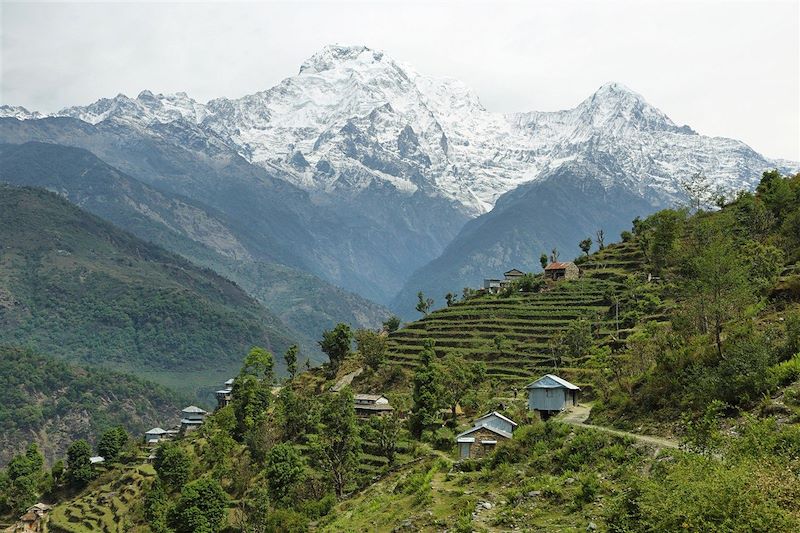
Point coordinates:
[(333, 55), (353, 118), (616, 106), (18, 112)]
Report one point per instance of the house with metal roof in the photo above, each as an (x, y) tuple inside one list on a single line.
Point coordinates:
[(192, 417), (550, 394), (481, 439), (225, 394), (371, 404), (496, 420), (557, 271), (154, 435)]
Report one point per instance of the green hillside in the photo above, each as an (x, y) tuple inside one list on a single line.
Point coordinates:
[(52, 403), (76, 287), (686, 337), (302, 301), (517, 335)]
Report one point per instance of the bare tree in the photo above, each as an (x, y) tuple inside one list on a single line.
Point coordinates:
[(600, 238)]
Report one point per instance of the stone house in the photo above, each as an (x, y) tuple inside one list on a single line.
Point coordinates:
[(481, 439), (557, 271)]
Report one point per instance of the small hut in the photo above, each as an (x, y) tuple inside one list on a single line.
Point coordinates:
[(481, 439), (550, 394), (558, 271)]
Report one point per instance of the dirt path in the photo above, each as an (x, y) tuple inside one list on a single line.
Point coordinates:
[(346, 380), (577, 417)]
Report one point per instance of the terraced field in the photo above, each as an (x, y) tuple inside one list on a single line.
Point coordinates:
[(105, 508), (528, 322)]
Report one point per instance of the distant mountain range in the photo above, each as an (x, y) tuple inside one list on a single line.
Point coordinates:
[(383, 181)]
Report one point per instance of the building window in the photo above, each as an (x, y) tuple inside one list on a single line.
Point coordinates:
[(549, 393)]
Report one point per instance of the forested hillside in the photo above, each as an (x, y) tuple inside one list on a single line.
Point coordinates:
[(76, 287), (686, 333), (53, 403)]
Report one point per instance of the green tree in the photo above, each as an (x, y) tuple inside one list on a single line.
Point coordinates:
[(155, 507), (543, 260), (428, 394), (201, 507), (460, 377), (716, 275), (291, 360), (112, 442), (372, 346), (450, 299), (284, 472), (391, 324), (252, 391), (23, 477), (337, 445), (423, 304), (79, 466), (336, 344), (295, 414), (385, 434), (585, 245), (172, 464)]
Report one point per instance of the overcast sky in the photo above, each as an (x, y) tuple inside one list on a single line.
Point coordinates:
[(725, 68)]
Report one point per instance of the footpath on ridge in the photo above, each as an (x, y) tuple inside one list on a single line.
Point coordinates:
[(578, 415)]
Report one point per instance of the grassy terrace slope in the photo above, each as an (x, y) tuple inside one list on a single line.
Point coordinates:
[(528, 321)]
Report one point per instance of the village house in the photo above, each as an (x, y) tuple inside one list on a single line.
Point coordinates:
[(371, 404), (551, 394), (494, 286), (155, 435), (31, 521), (224, 395), (481, 439), (192, 417), (513, 274), (558, 271)]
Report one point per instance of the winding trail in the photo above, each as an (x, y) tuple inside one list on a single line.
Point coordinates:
[(577, 417)]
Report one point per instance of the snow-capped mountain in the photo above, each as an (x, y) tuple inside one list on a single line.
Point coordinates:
[(362, 171), (353, 116)]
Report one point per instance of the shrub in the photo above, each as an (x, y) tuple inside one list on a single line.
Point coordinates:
[(787, 372)]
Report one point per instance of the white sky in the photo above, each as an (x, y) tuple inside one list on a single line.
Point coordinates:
[(724, 68)]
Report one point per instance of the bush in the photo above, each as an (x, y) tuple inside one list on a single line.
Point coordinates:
[(787, 372), (443, 439)]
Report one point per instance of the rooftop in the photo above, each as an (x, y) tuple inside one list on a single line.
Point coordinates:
[(551, 381), (476, 427), (193, 409), (555, 265)]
